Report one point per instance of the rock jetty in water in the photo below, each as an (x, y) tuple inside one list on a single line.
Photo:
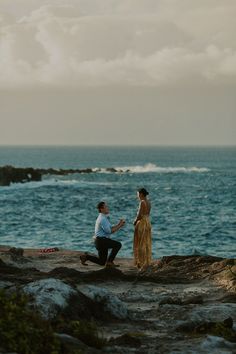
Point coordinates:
[(10, 174)]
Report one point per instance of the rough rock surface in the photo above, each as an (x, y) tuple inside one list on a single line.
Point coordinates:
[(109, 302), (10, 174), (49, 295), (179, 304)]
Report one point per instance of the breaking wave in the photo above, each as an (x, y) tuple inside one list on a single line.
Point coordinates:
[(147, 168)]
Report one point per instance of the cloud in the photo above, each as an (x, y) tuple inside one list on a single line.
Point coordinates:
[(137, 43)]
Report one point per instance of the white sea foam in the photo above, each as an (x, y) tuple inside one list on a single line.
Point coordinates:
[(44, 183), (150, 167), (107, 170), (52, 182)]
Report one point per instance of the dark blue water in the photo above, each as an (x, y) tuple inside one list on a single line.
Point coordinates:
[(192, 191)]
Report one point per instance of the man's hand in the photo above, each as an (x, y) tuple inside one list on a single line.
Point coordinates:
[(118, 226), (122, 222)]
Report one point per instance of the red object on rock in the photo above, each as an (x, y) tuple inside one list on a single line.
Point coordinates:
[(49, 250)]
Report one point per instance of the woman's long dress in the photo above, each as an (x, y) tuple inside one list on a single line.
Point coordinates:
[(143, 242)]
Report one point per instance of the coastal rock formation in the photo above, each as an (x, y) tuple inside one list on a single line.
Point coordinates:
[(179, 303), (10, 174), (109, 302), (49, 295), (222, 329)]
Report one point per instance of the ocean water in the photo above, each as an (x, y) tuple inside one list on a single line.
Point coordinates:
[(192, 191)]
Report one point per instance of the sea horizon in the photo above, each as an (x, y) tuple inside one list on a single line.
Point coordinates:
[(123, 145)]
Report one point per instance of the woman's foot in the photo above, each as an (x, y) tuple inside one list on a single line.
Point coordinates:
[(83, 259)]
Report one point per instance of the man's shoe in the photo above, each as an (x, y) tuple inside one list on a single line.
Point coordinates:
[(83, 259)]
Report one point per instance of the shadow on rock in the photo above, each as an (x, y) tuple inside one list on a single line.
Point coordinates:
[(221, 329)]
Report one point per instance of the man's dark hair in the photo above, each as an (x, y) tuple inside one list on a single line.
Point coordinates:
[(100, 206)]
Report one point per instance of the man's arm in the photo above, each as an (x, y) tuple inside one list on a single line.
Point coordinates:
[(118, 226)]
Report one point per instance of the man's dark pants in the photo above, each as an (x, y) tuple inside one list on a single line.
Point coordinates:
[(103, 244)]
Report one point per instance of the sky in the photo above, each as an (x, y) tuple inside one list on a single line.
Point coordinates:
[(117, 72)]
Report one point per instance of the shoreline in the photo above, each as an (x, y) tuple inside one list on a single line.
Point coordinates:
[(47, 261)]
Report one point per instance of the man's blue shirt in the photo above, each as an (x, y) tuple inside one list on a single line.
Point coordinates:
[(102, 226)]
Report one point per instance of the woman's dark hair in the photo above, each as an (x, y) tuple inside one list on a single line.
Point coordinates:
[(100, 205), (143, 191)]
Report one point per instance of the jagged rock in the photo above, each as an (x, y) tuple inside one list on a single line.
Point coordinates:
[(65, 273), (187, 326), (214, 344), (72, 275), (183, 280), (10, 174), (109, 302), (7, 269), (171, 301), (105, 274), (72, 345), (196, 299), (81, 306), (16, 251), (126, 339), (5, 284), (15, 258), (2, 264), (221, 329), (50, 295), (228, 298), (111, 169), (14, 271)]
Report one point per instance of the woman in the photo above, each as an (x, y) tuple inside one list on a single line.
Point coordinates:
[(142, 232)]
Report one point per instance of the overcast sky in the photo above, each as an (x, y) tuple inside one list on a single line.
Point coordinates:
[(139, 72)]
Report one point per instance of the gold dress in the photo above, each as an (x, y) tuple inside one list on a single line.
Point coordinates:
[(142, 242)]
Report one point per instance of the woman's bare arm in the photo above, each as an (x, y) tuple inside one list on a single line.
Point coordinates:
[(141, 211)]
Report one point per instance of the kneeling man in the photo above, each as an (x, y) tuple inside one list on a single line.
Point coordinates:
[(103, 242)]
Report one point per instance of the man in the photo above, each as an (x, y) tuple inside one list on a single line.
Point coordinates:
[(103, 242)]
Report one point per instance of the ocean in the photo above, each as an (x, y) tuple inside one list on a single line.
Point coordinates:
[(192, 191)]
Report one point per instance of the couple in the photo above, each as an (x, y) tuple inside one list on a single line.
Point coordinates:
[(142, 245)]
